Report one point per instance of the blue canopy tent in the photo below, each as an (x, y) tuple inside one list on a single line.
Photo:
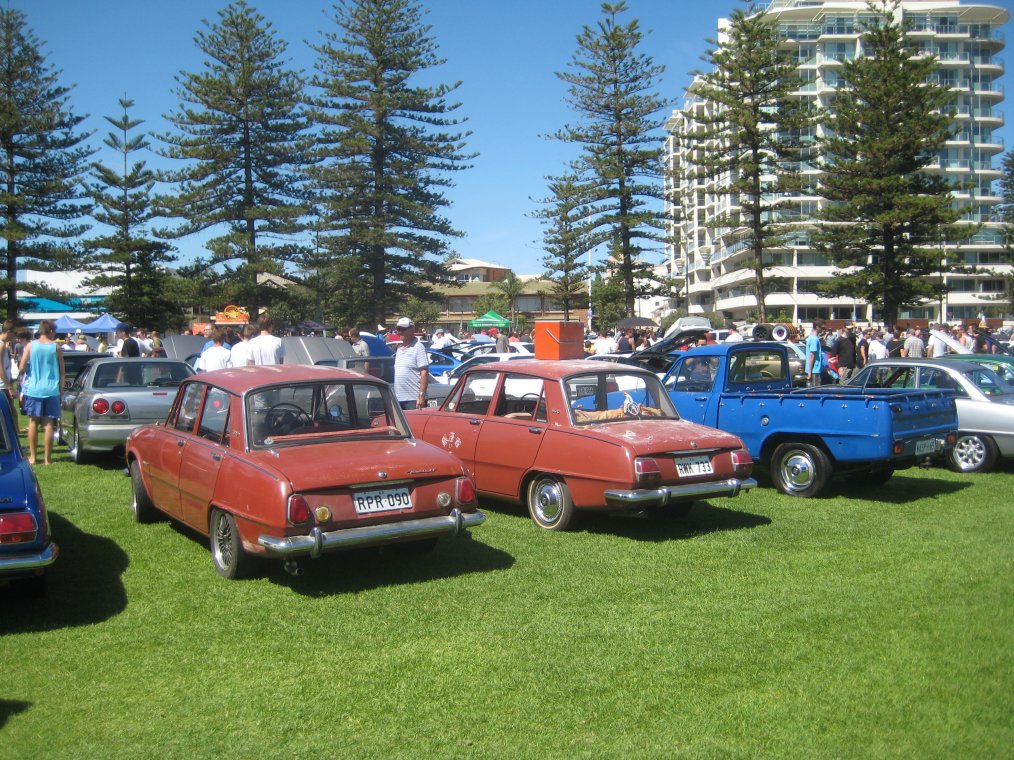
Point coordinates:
[(104, 324), (67, 324)]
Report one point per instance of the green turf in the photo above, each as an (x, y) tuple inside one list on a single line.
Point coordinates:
[(873, 623)]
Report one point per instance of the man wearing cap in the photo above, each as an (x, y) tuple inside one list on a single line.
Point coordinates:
[(440, 339), (411, 367)]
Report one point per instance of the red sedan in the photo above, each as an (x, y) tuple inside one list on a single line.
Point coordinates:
[(295, 461), (570, 435)]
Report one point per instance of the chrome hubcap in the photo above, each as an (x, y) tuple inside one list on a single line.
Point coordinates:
[(547, 501), (223, 541), (797, 471)]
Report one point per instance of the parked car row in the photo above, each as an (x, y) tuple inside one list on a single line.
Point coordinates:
[(247, 456)]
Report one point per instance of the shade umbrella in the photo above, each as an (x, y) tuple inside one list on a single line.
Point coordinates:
[(490, 319), (631, 322)]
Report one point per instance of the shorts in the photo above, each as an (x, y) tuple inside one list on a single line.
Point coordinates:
[(43, 407)]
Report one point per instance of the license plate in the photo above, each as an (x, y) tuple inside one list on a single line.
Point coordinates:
[(700, 465), (928, 446), (368, 502)]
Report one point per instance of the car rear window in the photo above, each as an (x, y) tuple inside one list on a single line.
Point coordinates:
[(616, 396), (311, 412), (140, 374)]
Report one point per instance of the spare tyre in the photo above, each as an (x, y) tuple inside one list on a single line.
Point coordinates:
[(779, 332), (762, 332)]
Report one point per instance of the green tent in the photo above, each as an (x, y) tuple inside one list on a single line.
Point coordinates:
[(489, 319)]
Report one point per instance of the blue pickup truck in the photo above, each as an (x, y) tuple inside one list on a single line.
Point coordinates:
[(803, 437)]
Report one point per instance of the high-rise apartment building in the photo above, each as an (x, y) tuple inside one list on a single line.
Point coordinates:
[(966, 40)]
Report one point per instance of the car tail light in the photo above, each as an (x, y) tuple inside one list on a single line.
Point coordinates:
[(742, 462), (647, 470), (18, 528), (465, 491), (299, 509), (899, 447), (952, 438), (100, 406), (118, 407)]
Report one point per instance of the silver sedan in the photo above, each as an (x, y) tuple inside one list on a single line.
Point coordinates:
[(111, 396), (985, 404)]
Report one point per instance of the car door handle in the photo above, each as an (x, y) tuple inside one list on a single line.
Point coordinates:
[(700, 398), (217, 457), (535, 430), (475, 422), (180, 442)]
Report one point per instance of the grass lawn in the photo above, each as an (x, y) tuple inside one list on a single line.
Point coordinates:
[(877, 622)]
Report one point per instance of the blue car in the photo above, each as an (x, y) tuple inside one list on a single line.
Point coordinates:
[(441, 363), (26, 546)]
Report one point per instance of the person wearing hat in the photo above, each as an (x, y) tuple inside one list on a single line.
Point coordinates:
[(411, 367), (82, 343), (440, 339)]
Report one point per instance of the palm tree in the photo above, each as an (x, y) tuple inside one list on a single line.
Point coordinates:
[(511, 287)]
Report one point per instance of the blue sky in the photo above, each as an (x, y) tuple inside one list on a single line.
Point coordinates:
[(506, 54)]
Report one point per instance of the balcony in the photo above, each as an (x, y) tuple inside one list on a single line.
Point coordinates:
[(988, 62), (990, 115), (989, 90)]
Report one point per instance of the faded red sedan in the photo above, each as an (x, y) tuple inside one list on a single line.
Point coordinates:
[(295, 461), (563, 436)]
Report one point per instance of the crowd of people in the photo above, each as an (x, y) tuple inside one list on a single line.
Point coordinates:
[(32, 366), (835, 355)]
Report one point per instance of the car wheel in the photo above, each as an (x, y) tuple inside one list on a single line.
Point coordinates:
[(549, 503), (972, 453), (77, 453), (141, 504), (231, 560), (800, 469)]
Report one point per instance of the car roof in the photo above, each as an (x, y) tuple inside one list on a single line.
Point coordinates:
[(1002, 358), (720, 349), (242, 379), (97, 359), (554, 369)]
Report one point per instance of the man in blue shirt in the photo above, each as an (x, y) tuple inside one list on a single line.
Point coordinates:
[(814, 354)]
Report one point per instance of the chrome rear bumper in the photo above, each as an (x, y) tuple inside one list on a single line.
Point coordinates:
[(659, 497), (24, 562), (319, 542)]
